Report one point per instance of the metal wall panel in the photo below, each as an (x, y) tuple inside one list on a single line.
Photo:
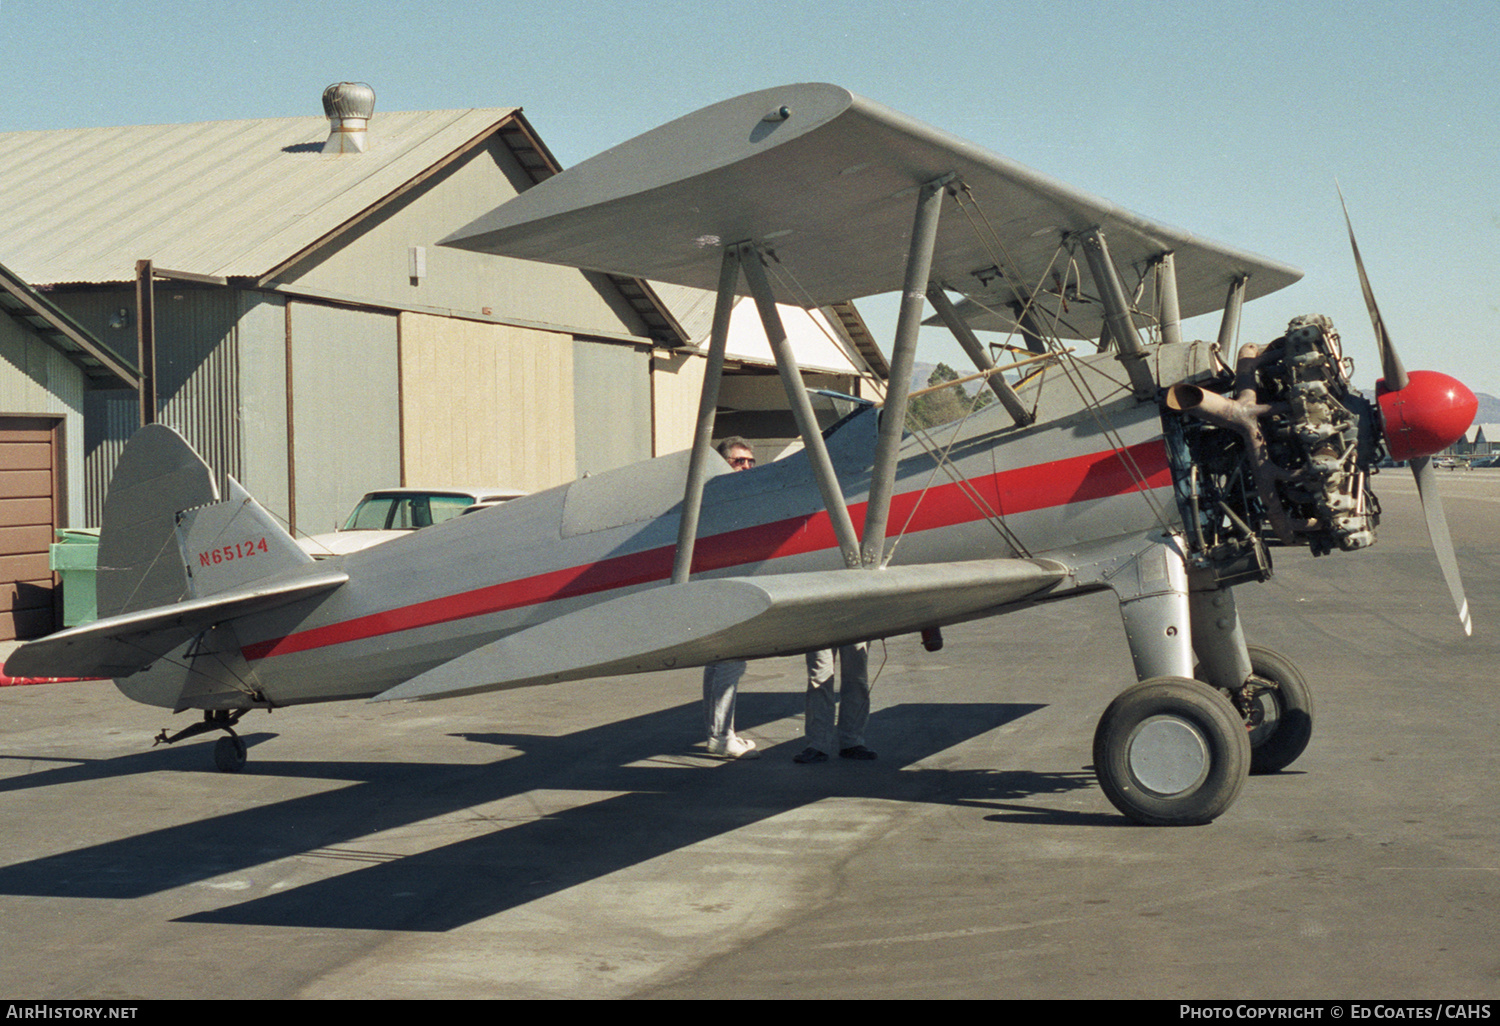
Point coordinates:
[(263, 401), (108, 314), (198, 378), (198, 372), (611, 405), (676, 383), (110, 417), (486, 404), (346, 418)]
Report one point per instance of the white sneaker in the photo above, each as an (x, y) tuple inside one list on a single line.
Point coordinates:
[(732, 746)]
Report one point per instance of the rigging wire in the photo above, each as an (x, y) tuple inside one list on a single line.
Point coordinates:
[(933, 449), (941, 462), (1070, 366), (786, 277)]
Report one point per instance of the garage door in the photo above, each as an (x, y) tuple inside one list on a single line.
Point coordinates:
[(28, 520)]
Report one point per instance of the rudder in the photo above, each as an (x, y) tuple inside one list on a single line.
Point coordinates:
[(233, 543)]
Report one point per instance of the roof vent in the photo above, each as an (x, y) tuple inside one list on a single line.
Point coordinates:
[(349, 106)]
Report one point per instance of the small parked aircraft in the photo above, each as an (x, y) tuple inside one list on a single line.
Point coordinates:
[(1162, 469)]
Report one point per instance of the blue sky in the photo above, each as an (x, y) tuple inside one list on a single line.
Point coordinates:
[(1229, 119)]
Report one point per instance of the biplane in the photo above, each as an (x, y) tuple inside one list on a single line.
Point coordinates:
[(1117, 455)]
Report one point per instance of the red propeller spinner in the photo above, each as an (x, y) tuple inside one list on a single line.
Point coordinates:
[(1426, 416)]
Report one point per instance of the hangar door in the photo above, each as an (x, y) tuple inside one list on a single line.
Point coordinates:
[(30, 453), (486, 404)]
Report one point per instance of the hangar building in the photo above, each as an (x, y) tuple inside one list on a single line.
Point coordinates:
[(310, 338)]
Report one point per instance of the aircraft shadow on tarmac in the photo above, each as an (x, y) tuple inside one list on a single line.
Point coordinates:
[(663, 808)]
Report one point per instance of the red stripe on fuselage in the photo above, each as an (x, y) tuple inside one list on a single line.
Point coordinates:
[(1099, 475)]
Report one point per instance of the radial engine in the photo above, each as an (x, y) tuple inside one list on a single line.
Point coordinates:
[(1281, 448)]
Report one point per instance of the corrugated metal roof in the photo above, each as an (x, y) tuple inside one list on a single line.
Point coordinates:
[(221, 198)]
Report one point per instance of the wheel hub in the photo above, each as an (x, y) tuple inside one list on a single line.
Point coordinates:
[(1168, 756), (1264, 716)]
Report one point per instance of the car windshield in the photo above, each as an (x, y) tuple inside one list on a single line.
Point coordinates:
[(405, 512)]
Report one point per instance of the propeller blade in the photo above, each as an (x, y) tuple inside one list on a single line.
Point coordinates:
[(1390, 363), (1437, 529)]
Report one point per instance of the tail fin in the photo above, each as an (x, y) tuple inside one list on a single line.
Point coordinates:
[(157, 476), (166, 536)]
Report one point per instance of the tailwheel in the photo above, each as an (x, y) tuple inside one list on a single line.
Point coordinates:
[(1171, 752), (230, 753), (1280, 717)]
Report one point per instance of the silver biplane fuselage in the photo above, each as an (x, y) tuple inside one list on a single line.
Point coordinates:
[(1058, 493), (1157, 468)]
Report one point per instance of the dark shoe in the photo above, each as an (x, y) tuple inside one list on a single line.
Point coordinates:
[(857, 752), (810, 755)]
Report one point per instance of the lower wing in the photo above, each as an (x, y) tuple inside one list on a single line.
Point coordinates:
[(708, 621)]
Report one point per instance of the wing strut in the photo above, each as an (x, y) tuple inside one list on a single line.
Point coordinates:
[(708, 401), (1166, 290), (1122, 330), (982, 362), (744, 256), (1028, 327), (1229, 327), (802, 411), (903, 355)]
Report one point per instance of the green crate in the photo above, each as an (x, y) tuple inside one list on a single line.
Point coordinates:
[(75, 558)]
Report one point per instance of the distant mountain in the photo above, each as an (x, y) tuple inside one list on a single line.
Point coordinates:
[(1489, 409), (920, 372)]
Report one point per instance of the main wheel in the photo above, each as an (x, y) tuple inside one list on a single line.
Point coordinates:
[(1281, 718), (229, 754), (1171, 752)]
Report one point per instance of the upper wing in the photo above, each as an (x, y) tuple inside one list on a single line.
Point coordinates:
[(734, 618), (830, 187)]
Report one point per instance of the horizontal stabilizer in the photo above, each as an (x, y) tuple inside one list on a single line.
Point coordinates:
[(708, 621), (118, 646)]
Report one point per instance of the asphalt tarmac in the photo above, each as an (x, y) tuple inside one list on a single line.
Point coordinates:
[(574, 841)]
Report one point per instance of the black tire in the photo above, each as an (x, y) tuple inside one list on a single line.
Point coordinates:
[(230, 754), (1171, 752), (1286, 713)]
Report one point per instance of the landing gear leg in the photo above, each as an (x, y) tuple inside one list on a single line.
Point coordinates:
[(1170, 750), (1153, 595), (1265, 686), (1218, 638)]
